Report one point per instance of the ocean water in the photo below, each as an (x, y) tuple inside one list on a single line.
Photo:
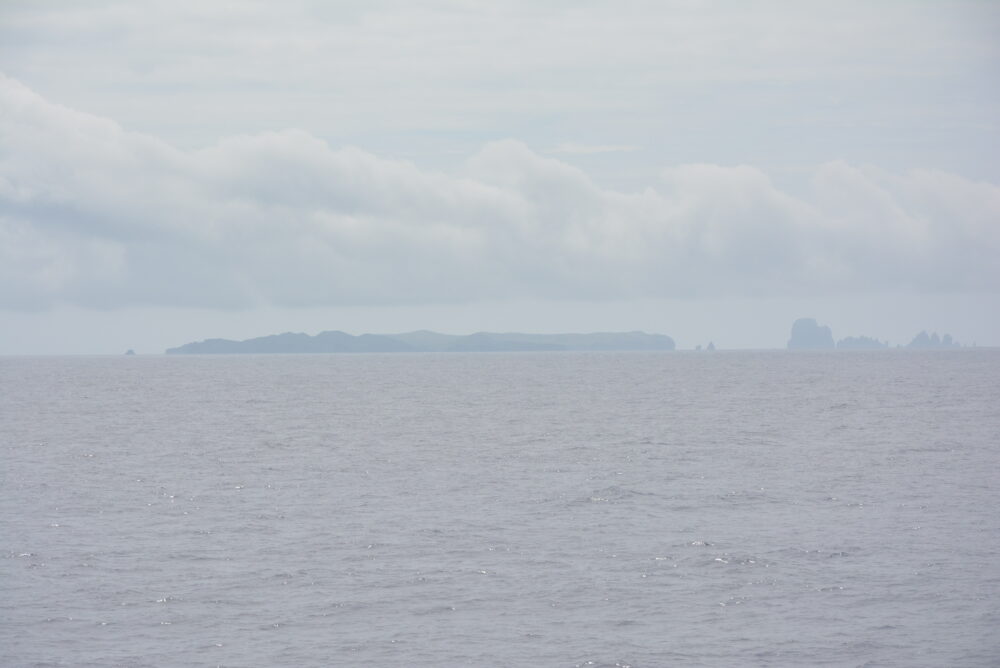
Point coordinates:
[(549, 509)]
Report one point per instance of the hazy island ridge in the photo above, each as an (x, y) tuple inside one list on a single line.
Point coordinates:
[(427, 341), (806, 334)]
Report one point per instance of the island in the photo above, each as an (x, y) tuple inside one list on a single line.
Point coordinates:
[(807, 334), (923, 340), (861, 343), (426, 341)]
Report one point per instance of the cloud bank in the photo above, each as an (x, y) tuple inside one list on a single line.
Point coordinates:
[(96, 216)]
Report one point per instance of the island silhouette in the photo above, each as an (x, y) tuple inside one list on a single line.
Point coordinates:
[(427, 341), (807, 334)]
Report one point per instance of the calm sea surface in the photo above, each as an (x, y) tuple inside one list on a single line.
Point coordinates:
[(551, 509)]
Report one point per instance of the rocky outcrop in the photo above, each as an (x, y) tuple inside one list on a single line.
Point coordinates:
[(861, 343), (923, 340), (807, 334)]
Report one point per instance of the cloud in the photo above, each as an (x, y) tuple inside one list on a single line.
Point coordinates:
[(735, 81), (93, 215)]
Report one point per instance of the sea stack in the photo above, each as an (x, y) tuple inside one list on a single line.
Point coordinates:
[(807, 334)]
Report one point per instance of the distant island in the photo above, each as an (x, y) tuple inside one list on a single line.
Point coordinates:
[(861, 343), (426, 341), (807, 334), (922, 340)]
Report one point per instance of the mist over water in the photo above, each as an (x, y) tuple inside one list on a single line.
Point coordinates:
[(555, 509)]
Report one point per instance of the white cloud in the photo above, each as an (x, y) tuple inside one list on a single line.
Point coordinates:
[(93, 215), (775, 84)]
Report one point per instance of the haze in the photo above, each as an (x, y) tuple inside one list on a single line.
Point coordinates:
[(172, 171)]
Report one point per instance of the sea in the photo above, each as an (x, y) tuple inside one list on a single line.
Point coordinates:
[(501, 509)]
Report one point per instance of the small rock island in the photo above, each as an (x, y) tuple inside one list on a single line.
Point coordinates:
[(861, 343), (807, 334), (923, 340)]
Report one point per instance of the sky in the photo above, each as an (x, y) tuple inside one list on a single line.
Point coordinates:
[(174, 171)]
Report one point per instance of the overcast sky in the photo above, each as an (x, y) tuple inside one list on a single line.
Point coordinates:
[(180, 170)]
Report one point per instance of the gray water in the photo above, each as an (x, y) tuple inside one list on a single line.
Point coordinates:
[(549, 509)]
